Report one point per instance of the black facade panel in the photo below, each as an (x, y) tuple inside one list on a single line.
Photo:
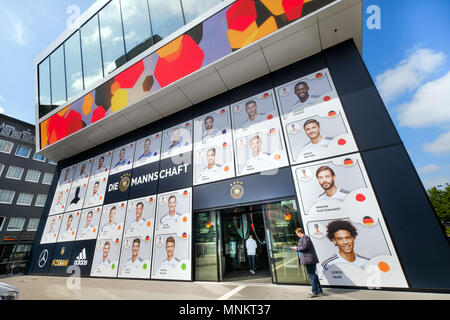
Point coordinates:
[(420, 242), (82, 256), (250, 89), (144, 181), (274, 184), (61, 258), (118, 187), (175, 173), (370, 122), (298, 70), (41, 259)]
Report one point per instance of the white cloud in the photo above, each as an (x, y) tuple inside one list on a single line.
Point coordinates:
[(2, 110), (429, 169), (434, 182), (18, 28), (409, 73), (440, 145), (429, 106)]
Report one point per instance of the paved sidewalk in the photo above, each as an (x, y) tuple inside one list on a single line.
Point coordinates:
[(55, 288)]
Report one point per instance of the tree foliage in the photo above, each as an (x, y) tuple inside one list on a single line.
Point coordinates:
[(440, 198)]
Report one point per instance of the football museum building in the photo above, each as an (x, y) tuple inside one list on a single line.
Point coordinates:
[(181, 130)]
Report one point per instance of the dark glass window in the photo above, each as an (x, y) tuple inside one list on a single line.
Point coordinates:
[(45, 103), (166, 17), (92, 58), (111, 32), (74, 76), (58, 77), (193, 8), (136, 26)]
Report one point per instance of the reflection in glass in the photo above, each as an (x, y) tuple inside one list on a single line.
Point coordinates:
[(74, 75), (112, 37), (166, 17), (44, 88), (193, 8), (136, 25), (283, 219), (58, 78), (92, 59), (205, 246)]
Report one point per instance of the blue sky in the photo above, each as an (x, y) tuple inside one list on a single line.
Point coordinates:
[(408, 58)]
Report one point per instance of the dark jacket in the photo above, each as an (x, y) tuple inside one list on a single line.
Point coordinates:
[(307, 253)]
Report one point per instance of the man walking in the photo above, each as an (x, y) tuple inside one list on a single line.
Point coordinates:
[(251, 252), (308, 257)]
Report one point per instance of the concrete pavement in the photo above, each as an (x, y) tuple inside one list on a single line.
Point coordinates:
[(62, 288)]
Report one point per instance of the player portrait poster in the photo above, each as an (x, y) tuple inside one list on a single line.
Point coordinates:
[(319, 128), (83, 170), (59, 200), (345, 223), (171, 257), (89, 224), (102, 163), (177, 140), (69, 226), (297, 96), (76, 196), (106, 258), (258, 141), (112, 221), (66, 177), (213, 147), (172, 239), (135, 260), (148, 150), (51, 229), (122, 158), (95, 194)]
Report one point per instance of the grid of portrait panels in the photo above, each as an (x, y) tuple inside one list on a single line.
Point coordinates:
[(315, 125), (173, 239), (213, 145), (341, 215)]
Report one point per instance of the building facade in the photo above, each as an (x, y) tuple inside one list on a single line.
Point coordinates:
[(252, 117), (25, 179)]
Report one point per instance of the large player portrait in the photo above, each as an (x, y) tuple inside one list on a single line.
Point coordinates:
[(69, 226), (106, 258), (351, 253), (101, 164), (171, 257), (112, 221), (83, 170), (66, 177), (260, 151), (89, 224), (51, 229), (213, 148), (174, 212), (95, 194), (135, 260), (321, 136), (148, 150), (59, 200), (177, 140), (122, 158), (297, 96), (253, 111), (140, 217)]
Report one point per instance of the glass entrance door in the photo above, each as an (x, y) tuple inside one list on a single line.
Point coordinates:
[(236, 226), (220, 236)]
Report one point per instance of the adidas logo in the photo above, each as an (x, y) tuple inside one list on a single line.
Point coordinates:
[(81, 259)]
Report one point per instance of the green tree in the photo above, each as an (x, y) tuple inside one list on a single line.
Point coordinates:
[(440, 198)]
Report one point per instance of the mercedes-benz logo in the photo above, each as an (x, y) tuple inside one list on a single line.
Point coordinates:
[(43, 257)]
